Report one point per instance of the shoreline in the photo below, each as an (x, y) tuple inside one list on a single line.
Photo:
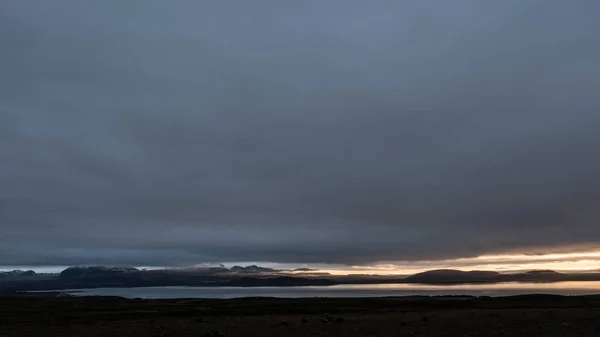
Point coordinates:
[(24, 287)]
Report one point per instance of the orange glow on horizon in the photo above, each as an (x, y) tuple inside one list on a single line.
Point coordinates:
[(574, 262)]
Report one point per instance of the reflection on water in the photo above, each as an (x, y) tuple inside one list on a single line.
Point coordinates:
[(352, 290)]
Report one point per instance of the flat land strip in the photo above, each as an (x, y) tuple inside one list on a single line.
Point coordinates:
[(530, 315)]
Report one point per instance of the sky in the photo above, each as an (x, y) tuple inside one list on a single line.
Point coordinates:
[(355, 134)]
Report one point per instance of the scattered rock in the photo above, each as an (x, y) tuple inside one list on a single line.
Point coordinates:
[(424, 319), (283, 323), (304, 320), (403, 324), (340, 320), (199, 320), (213, 333)]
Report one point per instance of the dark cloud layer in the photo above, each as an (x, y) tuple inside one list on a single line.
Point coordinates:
[(169, 132)]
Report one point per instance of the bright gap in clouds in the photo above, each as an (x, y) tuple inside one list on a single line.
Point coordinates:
[(568, 262)]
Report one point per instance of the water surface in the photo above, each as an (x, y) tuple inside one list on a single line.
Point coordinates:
[(351, 290)]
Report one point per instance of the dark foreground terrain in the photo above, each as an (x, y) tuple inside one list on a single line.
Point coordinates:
[(531, 315)]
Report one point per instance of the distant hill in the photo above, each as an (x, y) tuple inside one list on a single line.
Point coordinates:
[(94, 271), (100, 277), (543, 272), (444, 276), (453, 276), (101, 271), (252, 269), (17, 273), (254, 276), (539, 276)]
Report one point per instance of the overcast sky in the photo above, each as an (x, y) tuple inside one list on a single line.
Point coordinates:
[(334, 131)]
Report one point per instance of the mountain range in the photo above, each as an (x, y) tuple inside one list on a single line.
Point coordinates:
[(100, 276)]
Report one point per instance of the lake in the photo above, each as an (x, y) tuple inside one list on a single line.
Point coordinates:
[(349, 290)]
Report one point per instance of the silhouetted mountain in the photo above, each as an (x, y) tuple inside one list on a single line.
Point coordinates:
[(453, 276), (305, 269), (94, 271), (539, 276), (252, 269), (17, 273), (543, 272), (251, 276), (100, 277), (443, 276)]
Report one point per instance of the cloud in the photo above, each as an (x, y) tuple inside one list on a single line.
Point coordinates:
[(338, 132)]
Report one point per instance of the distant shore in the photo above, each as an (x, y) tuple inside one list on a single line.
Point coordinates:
[(255, 276)]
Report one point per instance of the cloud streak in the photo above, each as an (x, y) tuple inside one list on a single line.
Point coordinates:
[(338, 132)]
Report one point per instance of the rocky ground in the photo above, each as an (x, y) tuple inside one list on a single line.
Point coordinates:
[(48, 315)]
